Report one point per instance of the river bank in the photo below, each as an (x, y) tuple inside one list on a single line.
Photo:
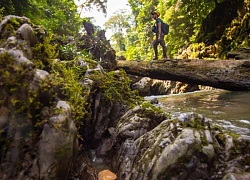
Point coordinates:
[(228, 109)]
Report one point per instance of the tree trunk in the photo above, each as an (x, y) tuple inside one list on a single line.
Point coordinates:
[(224, 74)]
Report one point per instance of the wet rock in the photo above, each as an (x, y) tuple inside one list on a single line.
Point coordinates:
[(161, 153), (177, 149), (104, 116), (106, 175), (209, 152), (107, 144), (154, 101), (137, 121), (143, 86), (229, 144)]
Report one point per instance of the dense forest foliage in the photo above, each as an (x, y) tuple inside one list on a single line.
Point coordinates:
[(192, 23), (57, 16)]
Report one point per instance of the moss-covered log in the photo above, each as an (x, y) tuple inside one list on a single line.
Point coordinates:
[(224, 74)]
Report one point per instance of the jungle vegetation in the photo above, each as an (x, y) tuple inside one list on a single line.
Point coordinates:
[(190, 21)]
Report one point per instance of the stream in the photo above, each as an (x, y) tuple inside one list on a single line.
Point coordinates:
[(228, 109)]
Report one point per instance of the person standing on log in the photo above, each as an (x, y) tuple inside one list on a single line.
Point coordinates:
[(157, 29)]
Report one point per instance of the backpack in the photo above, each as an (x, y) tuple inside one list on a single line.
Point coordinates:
[(154, 29), (165, 28)]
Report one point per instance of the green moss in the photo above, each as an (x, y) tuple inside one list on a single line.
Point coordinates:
[(63, 152), (116, 87), (233, 135), (194, 122), (15, 92), (15, 22), (1, 13), (9, 30), (92, 64), (45, 51), (148, 107), (216, 128)]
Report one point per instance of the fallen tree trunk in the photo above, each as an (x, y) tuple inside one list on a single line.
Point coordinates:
[(224, 74)]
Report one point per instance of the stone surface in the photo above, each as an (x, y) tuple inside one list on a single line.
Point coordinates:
[(58, 145), (182, 148), (143, 86)]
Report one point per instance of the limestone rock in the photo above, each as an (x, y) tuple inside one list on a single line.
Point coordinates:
[(27, 34), (143, 86), (180, 148), (58, 145)]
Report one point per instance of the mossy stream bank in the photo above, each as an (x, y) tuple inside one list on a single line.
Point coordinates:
[(53, 112)]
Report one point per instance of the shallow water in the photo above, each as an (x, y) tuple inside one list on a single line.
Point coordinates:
[(230, 110)]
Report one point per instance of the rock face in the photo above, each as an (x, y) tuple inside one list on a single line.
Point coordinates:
[(148, 87), (35, 142), (89, 28), (38, 135), (182, 148), (58, 145), (20, 34), (143, 86)]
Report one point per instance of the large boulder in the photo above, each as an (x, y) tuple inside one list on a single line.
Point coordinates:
[(37, 134), (57, 146), (147, 87), (143, 86), (20, 34), (186, 147)]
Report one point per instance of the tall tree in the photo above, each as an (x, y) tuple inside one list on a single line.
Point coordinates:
[(101, 5), (119, 25), (184, 17)]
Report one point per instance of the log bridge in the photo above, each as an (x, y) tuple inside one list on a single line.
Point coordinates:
[(231, 75)]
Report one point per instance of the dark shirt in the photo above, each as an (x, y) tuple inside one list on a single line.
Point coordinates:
[(156, 24)]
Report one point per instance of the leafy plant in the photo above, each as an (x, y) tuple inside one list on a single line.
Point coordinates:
[(66, 78), (68, 51), (45, 50)]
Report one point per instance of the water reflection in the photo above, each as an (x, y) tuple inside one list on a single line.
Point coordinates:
[(230, 110)]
